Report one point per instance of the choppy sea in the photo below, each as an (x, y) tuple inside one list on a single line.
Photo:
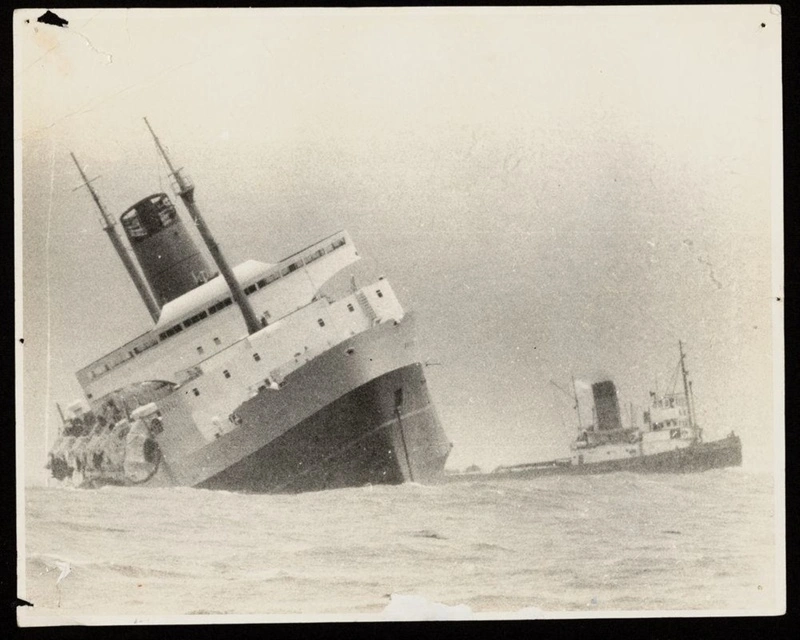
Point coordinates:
[(616, 542)]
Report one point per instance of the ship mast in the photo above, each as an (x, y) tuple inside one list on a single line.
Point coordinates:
[(108, 226), (572, 396), (577, 405), (686, 385), (185, 190)]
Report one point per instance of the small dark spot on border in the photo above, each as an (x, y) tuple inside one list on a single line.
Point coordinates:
[(23, 603), (778, 298), (763, 25), (48, 17), (22, 340)]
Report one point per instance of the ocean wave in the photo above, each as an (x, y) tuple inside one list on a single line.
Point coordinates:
[(628, 541), (39, 564)]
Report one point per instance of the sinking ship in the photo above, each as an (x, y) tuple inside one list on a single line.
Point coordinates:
[(669, 439), (296, 376)]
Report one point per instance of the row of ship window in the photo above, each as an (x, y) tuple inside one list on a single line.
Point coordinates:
[(669, 403), (667, 423), (257, 357), (225, 372), (340, 242), (272, 277), (196, 318), (320, 322)]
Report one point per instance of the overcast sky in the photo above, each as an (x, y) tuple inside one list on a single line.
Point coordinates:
[(554, 192)]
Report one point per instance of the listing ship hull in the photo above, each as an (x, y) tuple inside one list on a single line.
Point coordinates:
[(726, 452), (359, 439), (355, 415)]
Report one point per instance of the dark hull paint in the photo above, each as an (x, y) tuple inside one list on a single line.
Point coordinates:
[(700, 457), (359, 413), (362, 438)]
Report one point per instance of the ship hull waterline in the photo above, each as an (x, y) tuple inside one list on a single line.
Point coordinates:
[(354, 441), (705, 456)]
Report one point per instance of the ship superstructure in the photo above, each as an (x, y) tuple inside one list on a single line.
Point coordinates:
[(298, 375), (666, 427)]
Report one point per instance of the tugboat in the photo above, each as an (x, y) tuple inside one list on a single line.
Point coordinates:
[(670, 441), (295, 376)]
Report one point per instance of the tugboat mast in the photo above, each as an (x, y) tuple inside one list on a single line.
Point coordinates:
[(153, 307), (572, 396), (185, 190), (577, 406), (686, 386)]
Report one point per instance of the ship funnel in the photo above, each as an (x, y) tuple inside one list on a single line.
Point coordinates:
[(168, 256), (606, 406), (185, 190)]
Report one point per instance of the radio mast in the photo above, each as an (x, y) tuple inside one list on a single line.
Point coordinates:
[(185, 190), (153, 307), (686, 386)]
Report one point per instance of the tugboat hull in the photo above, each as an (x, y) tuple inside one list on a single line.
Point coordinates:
[(726, 452)]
